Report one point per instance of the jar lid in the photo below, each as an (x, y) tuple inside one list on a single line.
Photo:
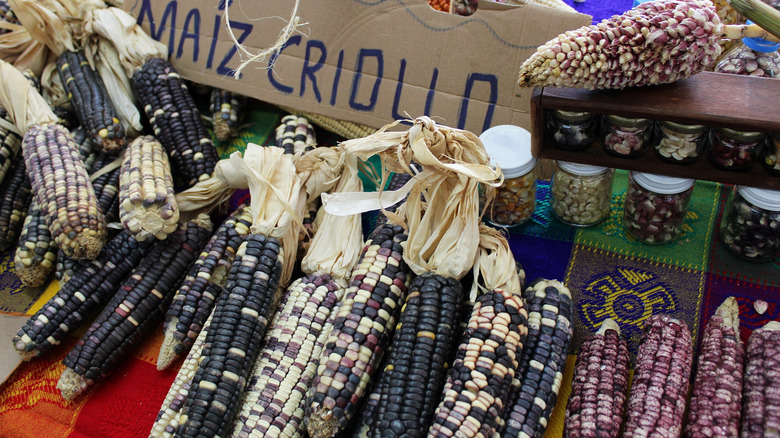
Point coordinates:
[(682, 128), (581, 169), (665, 185), (509, 147), (572, 116), (761, 198), (740, 135), (760, 44), (627, 121)]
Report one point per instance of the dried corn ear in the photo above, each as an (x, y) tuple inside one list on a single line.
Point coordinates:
[(241, 316), (67, 267), (87, 150), (15, 197), (415, 371), (147, 205), (135, 310), (227, 112), (660, 386), (88, 289), (361, 332), (36, 254), (90, 99), (540, 372), (63, 190), (176, 122), (167, 420), (716, 401), (194, 301), (285, 368), (295, 134), (10, 145), (598, 390), (475, 395), (105, 181), (761, 384), (654, 43)]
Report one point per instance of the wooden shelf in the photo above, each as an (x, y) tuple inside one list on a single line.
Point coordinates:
[(713, 99)]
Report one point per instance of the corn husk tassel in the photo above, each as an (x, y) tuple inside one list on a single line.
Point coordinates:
[(654, 43)]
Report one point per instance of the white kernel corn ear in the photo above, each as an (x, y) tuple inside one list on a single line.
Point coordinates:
[(147, 205), (654, 43)]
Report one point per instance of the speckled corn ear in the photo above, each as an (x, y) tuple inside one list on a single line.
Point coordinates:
[(88, 289), (241, 316), (87, 150), (147, 205), (276, 390), (15, 197), (176, 122), (716, 402), (475, 395), (135, 310), (90, 99), (36, 254), (10, 145), (227, 111), (415, 371), (361, 332), (106, 186), (63, 190), (761, 392), (295, 134), (194, 301), (67, 267), (598, 390), (540, 373), (659, 389)]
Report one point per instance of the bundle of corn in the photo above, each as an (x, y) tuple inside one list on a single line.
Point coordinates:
[(284, 371), (162, 94), (660, 386), (442, 214), (476, 392), (535, 388), (147, 205), (89, 289), (135, 310), (55, 169), (57, 25), (295, 134), (242, 311), (760, 403), (598, 390), (227, 112), (716, 401), (654, 43)]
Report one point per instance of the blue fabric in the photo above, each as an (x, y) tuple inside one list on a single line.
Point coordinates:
[(601, 9)]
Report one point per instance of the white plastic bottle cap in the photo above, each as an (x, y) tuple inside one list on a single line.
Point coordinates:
[(509, 147), (761, 198), (581, 169), (662, 184)]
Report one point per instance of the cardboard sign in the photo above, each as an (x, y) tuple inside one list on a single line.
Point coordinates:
[(364, 61)]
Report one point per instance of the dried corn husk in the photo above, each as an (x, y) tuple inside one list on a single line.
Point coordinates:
[(51, 85), (442, 210), (18, 47), (495, 267), (25, 106)]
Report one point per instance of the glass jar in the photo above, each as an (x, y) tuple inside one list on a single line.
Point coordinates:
[(731, 149), (679, 143), (580, 194), (624, 136), (770, 157), (571, 130), (750, 226), (509, 147), (751, 57), (655, 207)]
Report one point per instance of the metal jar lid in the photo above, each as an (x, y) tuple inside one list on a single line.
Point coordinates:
[(581, 169), (662, 184), (629, 122), (761, 198), (682, 128), (573, 116), (746, 136), (509, 147)]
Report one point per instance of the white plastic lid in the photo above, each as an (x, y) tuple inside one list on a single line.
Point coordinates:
[(509, 147), (662, 184), (581, 169), (761, 198)]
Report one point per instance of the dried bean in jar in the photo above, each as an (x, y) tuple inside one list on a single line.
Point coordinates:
[(625, 137), (655, 207), (570, 130), (750, 226), (679, 143), (771, 155), (731, 149), (751, 57), (580, 194)]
